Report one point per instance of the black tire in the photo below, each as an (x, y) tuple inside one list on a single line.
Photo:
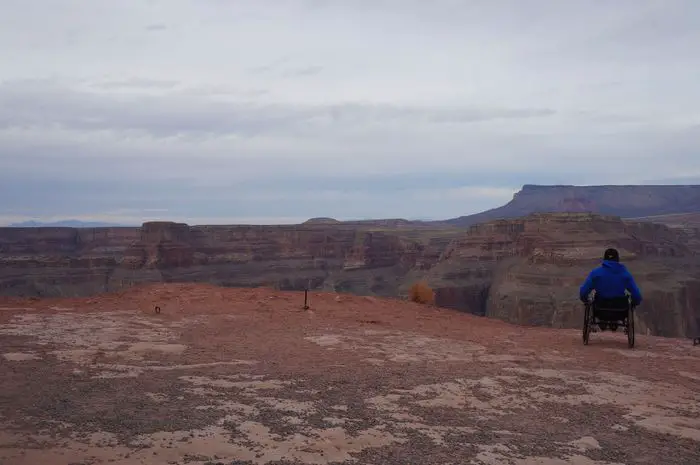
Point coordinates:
[(630, 328), (586, 324)]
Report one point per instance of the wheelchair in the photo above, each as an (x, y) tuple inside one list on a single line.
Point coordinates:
[(609, 315)]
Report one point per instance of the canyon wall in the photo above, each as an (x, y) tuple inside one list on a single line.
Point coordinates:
[(524, 270), (529, 270), (78, 262)]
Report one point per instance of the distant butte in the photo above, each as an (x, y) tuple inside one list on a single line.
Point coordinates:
[(321, 220)]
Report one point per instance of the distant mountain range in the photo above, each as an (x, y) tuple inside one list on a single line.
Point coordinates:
[(66, 224)]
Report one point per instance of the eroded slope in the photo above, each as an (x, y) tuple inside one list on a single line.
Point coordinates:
[(528, 270)]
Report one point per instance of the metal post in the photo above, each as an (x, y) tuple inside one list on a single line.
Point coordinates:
[(306, 299)]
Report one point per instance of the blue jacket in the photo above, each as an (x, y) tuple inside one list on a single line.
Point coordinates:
[(610, 280)]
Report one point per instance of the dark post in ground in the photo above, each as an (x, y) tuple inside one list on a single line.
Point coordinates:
[(306, 299)]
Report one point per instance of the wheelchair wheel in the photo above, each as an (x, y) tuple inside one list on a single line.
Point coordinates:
[(630, 327), (586, 324)]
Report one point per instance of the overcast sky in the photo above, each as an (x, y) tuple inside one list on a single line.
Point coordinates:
[(264, 111)]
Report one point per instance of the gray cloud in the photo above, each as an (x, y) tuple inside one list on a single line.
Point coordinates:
[(215, 109), (32, 104)]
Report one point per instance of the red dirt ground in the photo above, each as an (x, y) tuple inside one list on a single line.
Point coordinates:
[(237, 376)]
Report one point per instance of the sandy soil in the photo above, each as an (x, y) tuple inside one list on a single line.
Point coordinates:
[(242, 376)]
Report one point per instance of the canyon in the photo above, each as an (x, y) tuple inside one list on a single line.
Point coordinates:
[(525, 270), (528, 270)]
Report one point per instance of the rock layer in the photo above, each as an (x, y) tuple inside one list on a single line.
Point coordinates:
[(528, 271), (76, 262), (524, 270)]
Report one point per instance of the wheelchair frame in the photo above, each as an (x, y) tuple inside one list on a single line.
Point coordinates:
[(590, 322)]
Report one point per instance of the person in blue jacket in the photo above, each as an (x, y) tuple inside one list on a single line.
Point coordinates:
[(610, 281)]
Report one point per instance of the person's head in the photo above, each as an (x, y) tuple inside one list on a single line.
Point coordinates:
[(611, 255)]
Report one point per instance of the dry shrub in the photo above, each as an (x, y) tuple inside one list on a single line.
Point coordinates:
[(421, 293)]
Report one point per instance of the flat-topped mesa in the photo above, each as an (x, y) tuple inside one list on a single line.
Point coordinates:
[(623, 201), (563, 198), (322, 220)]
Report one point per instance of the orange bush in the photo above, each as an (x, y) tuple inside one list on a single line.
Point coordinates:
[(421, 293)]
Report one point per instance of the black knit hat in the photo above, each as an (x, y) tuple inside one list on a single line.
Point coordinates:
[(612, 255)]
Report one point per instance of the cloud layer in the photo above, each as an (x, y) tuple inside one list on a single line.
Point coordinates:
[(223, 111)]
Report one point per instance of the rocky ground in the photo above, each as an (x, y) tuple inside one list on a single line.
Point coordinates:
[(246, 376)]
